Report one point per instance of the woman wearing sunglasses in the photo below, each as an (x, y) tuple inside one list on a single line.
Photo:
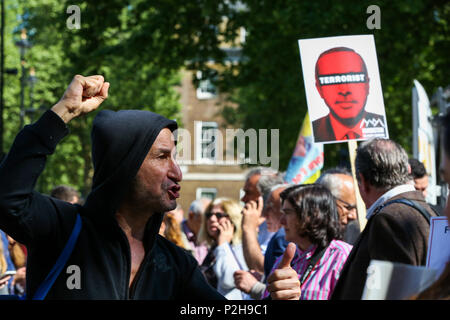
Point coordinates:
[(221, 230), (311, 221)]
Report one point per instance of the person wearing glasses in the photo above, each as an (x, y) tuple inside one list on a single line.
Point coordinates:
[(398, 218), (221, 231), (340, 182), (311, 222)]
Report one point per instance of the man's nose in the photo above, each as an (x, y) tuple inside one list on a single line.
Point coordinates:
[(344, 93), (352, 215), (175, 172)]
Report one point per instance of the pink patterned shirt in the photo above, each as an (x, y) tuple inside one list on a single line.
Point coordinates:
[(320, 283)]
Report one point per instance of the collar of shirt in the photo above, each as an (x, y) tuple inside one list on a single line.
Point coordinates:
[(388, 195), (341, 130), (304, 255)]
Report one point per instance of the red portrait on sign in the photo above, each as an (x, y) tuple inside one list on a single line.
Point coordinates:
[(343, 83)]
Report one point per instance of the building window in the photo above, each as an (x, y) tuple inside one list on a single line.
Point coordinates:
[(206, 89), (208, 193), (206, 141)]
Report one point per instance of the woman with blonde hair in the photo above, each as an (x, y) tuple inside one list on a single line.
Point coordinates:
[(221, 231), (171, 230)]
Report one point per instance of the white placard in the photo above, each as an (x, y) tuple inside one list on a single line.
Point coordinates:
[(395, 281), (342, 84), (438, 244)]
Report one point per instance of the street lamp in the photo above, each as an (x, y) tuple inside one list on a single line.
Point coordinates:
[(32, 79), (23, 44)]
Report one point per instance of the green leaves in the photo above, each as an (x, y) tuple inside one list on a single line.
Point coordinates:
[(413, 43)]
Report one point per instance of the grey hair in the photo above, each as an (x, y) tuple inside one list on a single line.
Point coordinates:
[(383, 163), (196, 207), (264, 171), (331, 181), (266, 183), (278, 186), (273, 189)]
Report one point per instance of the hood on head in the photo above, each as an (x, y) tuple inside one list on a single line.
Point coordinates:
[(120, 142)]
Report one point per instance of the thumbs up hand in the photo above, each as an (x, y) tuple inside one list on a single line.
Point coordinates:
[(283, 283)]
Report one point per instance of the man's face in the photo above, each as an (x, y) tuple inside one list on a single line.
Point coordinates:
[(250, 190), (195, 220), (156, 184), (272, 211), (346, 204), (343, 84), (421, 184)]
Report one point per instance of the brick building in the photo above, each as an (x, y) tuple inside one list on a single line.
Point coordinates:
[(205, 152)]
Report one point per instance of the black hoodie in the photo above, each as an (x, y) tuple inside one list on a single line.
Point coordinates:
[(120, 142)]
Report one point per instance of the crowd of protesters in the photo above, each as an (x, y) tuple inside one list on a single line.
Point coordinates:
[(285, 241), (316, 217)]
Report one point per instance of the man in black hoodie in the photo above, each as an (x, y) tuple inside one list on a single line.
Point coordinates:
[(118, 254)]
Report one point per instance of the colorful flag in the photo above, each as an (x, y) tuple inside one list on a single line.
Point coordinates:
[(307, 159)]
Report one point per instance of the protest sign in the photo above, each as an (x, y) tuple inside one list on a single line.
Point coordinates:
[(307, 159), (395, 281), (438, 244), (343, 88), (424, 137)]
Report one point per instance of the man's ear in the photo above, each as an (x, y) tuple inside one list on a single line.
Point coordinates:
[(363, 185)]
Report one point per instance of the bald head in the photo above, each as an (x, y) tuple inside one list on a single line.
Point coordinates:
[(340, 183)]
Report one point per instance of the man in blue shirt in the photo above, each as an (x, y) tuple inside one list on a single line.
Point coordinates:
[(246, 281)]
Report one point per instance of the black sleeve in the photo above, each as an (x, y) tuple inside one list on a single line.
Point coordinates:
[(25, 214), (198, 288)]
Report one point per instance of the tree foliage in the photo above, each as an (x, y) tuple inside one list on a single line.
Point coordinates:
[(413, 43), (140, 47)]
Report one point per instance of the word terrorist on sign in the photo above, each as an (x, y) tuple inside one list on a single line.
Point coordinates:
[(342, 78)]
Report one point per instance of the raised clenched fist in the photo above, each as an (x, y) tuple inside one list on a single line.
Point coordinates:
[(83, 95)]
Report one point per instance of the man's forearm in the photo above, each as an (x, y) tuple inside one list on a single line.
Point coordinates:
[(252, 251), (24, 164)]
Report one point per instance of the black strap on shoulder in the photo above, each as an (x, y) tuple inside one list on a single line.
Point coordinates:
[(410, 203), (312, 263)]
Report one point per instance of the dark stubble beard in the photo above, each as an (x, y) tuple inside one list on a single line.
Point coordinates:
[(143, 202)]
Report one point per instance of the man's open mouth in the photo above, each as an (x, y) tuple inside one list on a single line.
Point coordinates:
[(174, 191)]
